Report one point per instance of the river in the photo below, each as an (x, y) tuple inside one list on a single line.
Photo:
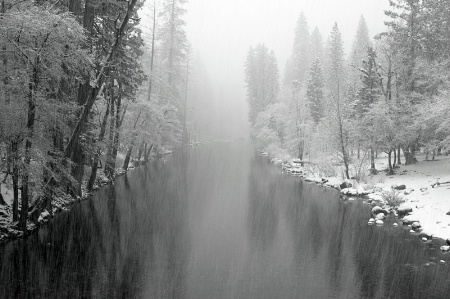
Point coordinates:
[(220, 222)]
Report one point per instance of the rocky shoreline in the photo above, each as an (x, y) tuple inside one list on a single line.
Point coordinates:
[(386, 200)]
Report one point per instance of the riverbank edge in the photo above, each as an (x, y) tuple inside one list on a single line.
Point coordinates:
[(10, 232), (350, 190)]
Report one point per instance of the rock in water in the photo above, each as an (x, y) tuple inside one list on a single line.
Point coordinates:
[(379, 222), (395, 224)]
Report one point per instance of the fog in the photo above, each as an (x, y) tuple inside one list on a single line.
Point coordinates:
[(222, 31)]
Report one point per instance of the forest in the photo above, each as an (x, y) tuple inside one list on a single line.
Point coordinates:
[(388, 95), (88, 90)]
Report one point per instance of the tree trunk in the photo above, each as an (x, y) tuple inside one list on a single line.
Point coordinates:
[(391, 170), (109, 165), (141, 148), (84, 90), (119, 120), (98, 83), (147, 153), (101, 135), (152, 53), (399, 162), (395, 157), (372, 161), (127, 157), (130, 148), (2, 200), (15, 178), (32, 87)]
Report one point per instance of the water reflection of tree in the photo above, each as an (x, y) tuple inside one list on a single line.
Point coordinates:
[(262, 212)]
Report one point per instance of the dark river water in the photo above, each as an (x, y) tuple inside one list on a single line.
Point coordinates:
[(220, 222)]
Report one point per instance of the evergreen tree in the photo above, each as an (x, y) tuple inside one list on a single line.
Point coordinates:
[(172, 37), (316, 45), (314, 91), (359, 50), (300, 57), (261, 78), (337, 101)]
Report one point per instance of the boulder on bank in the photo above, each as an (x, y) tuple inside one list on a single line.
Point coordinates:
[(377, 210), (404, 209), (425, 234), (380, 216), (399, 187), (349, 191), (408, 191), (409, 219), (445, 248), (375, 197), (345, 185), (416, 225)]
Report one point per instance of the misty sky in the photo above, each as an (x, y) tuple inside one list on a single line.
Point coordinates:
[(221, 31)]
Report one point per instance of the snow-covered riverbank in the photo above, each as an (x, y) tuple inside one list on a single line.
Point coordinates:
[(9, 230), (420, 188)]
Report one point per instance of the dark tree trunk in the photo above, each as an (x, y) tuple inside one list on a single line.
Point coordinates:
[(141, 148), (28, 144), (15, 178), (395, 157), (130, 148), (2, 200), (147, 154), (391, 170), (109, 165), (399, 162), (119, 119), (127, 157), (96, 159), (372, 160)]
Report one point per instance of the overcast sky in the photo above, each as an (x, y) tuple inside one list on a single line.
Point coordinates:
[(221, 31)]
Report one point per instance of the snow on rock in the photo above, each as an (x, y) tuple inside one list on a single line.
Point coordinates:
[(416, 225), (349, 191), (374, 196), (44, 216), (399, 187), (380, 216), (410, 219), (379, 222), (445, 248), (408, 191)]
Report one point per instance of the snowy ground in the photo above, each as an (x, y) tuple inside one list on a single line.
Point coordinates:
[(430, 206)]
